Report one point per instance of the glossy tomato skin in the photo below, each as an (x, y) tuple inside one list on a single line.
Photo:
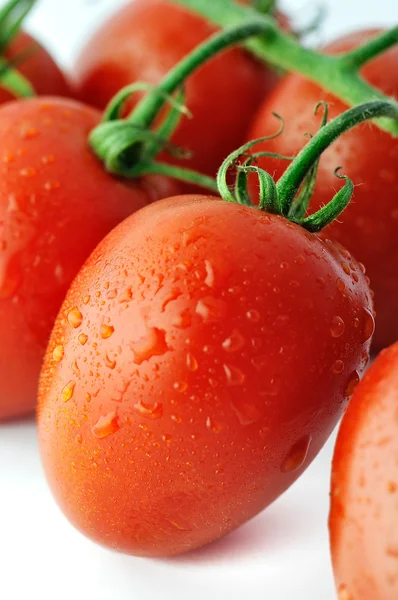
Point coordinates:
[(39, 68), (214, 351), (142, 42), (56, 204), (369, 227), (364, 508)]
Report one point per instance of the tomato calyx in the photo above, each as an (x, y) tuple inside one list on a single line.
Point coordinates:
[(128, 147), (290, 197), (12, 15), (340, 75)]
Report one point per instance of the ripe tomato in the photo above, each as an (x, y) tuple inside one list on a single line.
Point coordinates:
[(364, 512), (39, 68), (368, 227), (56, 203), (183, 391), (142, 42)]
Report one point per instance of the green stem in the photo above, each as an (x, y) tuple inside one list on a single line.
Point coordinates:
[(180, 173), (358, 57), (333, 73), (126, 145), (290, 182)]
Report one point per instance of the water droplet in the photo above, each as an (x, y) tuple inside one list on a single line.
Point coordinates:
[(58, 353), (337, 367), (171, 296), (234, 343), (284, 265), (341, 285), (83, 338), (180, 386), (79, 439), (346, 268), (183, 320), (30, 133), (106, 426), (75, 368), (48, 159), (344, 593), (246, 413), (88, 398), (392, 487), (152, 344), (52, 185), (337, 327), (126, 295), (106, 331), (352, 384), (234, 375), (151, 411), (368, 326), (176, 419), (214, 425), (191, 362), (68, 391), (75, 318), (210, 309), (109, 362), (297, 455), (28, 172), (166, 438), (356, 323), (210, 277), (253, 315), (300, 260), (86, 300), (111, 295)]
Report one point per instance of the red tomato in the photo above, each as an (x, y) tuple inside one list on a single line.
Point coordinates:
[(364, 512), (39, 68), (142, 42), (369, 227), (56, 203), (183, 391)]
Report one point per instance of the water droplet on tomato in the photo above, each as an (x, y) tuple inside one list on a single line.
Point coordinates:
[(253, 316), (111, 295), (52, 185), (356, 323), (351, 384), (28, 172), (176, 419), (247, 413), (48, 159), (392, 487), (210, 309), (166, 438), (75, 368), (234, 375), (341, 285), (151, 411), (86, 300), (337, 327), (68, 391), (75, 318), (152, 344), (368, 326), (191, 362), (180, 386), (79, 439), (210, 277), (183, 320), (109, 362), (344, 593), (83, 338), (346, 268), (106, 426), (297, 455), (300, 260), (58, 353), (88, 398), (126, 295), (234, 343), (106, 331), (337, 367), (213, 425)]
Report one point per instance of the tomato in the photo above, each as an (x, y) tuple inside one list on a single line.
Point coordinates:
[(142, 42), (182, 391), (368, 227), (364, 509), (38, 67), (56, 203)]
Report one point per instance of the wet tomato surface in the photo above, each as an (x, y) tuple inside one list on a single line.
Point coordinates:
[(201, 359)]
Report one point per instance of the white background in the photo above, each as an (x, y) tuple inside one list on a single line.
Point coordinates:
[(283, 554)]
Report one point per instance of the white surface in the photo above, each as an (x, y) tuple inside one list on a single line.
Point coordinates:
[(283, 554)]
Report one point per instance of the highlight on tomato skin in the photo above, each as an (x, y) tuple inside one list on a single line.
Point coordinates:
[(142, 42), (56, 204), (364, 496), (368, 227), (200, 361)]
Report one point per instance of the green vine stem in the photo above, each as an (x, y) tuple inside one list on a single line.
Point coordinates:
[(280, 198), (338, 75), (128, 146), (12, 15)]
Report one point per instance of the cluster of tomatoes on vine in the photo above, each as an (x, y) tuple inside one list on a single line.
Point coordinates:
[(204, 347)]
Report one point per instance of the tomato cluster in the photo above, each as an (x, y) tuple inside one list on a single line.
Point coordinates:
[(202, 351)]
